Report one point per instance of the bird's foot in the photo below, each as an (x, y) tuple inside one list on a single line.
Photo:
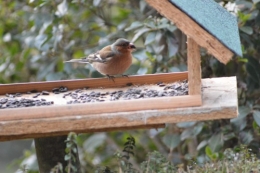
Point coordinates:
[(125, 75), (111, 77)]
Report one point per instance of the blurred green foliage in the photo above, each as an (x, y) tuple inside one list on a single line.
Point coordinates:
[(37, 36)]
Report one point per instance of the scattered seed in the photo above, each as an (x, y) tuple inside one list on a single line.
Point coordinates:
[(166, 88), (10, 95), (93, 93), (3, 100), (161, 85), (78, 91), (160, 94), (113, 92), (63, 89), (33, 91), (103, 94), (55, 90), (45, 93), (67, 94), (35, 96), (18, 94), (129, 84)]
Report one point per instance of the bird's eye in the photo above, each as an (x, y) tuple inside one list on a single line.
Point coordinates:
[(125, 44)]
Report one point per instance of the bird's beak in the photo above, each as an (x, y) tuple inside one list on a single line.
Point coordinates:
[(132, 46)]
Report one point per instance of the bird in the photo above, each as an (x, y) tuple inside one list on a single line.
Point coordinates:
[(112, 60)]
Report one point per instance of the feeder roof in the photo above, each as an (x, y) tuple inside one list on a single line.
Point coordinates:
[(206, 22), (215, 19)]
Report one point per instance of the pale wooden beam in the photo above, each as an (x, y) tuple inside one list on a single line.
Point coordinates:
[(193, 30), (194, 67), (66, 132), (99, 108)]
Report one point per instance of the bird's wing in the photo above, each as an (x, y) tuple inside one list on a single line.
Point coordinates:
[(106, 55), (83, 60), (101, 56)]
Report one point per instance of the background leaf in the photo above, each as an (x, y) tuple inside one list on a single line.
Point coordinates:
[(171, 141)]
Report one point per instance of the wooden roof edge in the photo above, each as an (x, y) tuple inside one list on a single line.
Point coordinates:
[(192, 29)]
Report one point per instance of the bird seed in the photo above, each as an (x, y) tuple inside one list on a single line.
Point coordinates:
[(94, 95)]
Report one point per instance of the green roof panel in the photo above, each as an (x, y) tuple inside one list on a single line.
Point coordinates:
[(214, 19)]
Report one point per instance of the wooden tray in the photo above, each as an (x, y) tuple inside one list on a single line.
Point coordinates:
[(58, 119)]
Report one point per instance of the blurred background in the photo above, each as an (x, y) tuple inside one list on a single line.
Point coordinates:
[(37, 36)]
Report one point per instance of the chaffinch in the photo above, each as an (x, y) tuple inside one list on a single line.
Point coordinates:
[(112, 60)]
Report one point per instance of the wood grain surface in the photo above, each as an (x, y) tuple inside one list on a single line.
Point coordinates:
[(194, 67)]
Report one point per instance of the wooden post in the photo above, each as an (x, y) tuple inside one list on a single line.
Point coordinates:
[(50, 151), (194, 67)]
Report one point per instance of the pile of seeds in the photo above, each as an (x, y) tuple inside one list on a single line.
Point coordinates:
[(22, 102), (80, 96), (96, 95), (13, 102)]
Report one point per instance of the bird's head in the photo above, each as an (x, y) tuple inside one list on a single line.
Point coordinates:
[(123, 45)]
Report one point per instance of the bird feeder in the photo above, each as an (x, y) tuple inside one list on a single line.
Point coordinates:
[(206, 25)]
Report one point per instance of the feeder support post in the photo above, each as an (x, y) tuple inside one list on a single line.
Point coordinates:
[(194, 67), (50, 151)]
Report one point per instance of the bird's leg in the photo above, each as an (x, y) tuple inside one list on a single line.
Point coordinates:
[(111, 77)]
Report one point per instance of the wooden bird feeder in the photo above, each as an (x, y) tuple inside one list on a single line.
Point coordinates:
[(206, 25)]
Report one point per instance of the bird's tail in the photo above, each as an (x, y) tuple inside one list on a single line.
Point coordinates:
[(78, 61)]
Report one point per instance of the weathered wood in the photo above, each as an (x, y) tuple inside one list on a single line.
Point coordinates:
[(43, 134), (219, 102), (194, 67), (193, 30), (99, 108), (50, 151), (93, 82)]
